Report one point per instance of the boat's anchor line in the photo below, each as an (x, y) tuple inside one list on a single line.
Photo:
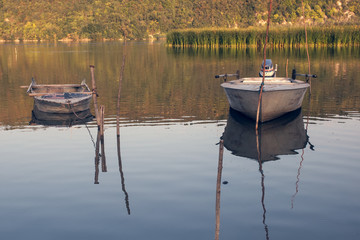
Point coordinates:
[(69, 104)]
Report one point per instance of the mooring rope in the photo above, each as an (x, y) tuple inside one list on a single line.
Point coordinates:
[(92, 138), (69, 104)]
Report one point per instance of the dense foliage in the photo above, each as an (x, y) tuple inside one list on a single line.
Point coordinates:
[(111, 19)]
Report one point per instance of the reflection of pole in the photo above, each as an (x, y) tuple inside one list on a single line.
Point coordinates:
[(263, 205), (258, 148), (297, 180), (102, 141), (97, 159), (218, 190), (122, 176)]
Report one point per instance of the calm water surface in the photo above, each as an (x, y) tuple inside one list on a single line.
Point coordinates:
[(173, 114)]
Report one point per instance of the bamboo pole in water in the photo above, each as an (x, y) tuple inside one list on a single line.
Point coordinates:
[(287, 65), (263, 79), (218, 189), (306, 44), (119, 91), (95, 95), (118, 130), (102, 141)]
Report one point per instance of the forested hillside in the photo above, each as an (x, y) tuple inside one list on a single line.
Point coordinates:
[(111, 19)]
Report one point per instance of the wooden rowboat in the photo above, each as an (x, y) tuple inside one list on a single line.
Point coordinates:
[(60, 98), (279, 96)]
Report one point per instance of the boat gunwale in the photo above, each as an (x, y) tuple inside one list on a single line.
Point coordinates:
[(48, 89), (275, 84), (64, 100)]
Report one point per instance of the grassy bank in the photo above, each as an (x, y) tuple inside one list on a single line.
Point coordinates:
[(278, 37)]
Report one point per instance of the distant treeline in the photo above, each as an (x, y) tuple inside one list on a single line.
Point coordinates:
[(278, 36), (112, 19)]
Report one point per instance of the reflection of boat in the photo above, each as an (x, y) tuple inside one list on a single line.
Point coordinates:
[(60, 119), (281, 136), (270, 71), (60, 98), (279, 96)]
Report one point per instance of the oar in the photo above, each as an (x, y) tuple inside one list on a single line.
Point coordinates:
[(237, 75), (43, 94), (294, 74)]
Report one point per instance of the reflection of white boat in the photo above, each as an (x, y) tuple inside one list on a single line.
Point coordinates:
[(278, 137), (279, 96), (270, 71)]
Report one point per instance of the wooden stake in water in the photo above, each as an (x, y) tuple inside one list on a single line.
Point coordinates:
[(119, 91), (102, 141), (306, 44), (263, 79), (127, 204), (218, 187), (287, 65), (95, 95)]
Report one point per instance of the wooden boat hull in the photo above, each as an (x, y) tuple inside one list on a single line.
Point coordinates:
[(60, 98), (280, 96), (50, 105)]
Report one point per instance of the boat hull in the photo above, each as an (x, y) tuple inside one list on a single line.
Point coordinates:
[(279, 97), (60, 98), (52, 105)]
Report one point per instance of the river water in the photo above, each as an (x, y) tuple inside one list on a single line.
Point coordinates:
[(173, 115)]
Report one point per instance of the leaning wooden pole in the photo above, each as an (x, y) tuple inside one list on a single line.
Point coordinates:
[(218, 189), (119, 91), (306, 44), (102, 141), (94, 96), (118, 130), (263, 79)]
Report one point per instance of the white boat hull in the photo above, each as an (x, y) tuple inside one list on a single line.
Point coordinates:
[(279, 96)]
